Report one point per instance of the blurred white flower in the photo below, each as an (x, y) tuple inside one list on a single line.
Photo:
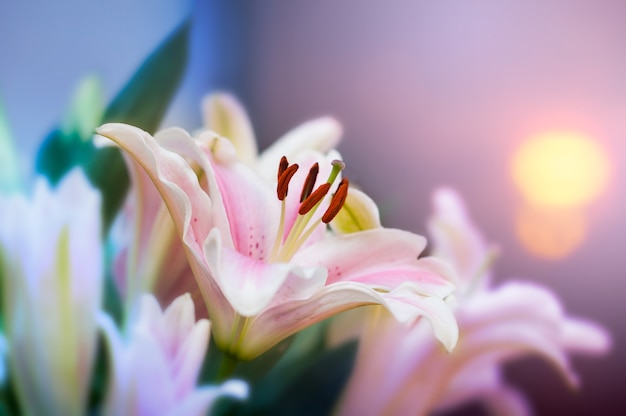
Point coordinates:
[(400, 370), (155, 367), (51, 263)]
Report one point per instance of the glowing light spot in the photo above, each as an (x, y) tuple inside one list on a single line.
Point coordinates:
[(560, 169), (551, 233)]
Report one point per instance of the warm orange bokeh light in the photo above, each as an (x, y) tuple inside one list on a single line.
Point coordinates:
[(558, 174), (560, 169), (551, 233)]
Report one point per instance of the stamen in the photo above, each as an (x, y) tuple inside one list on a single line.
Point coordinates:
[(282, 166), (283, 181), (312, 200), (336, 203), (309, 183)]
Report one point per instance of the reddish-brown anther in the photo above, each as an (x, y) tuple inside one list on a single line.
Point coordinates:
[(283, 181), (315, 197), (309, 183), (282, 166), (336, 203)]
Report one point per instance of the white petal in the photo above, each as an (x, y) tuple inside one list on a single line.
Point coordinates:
[(456, 239), (406, 303), (250, 284), (223, 114), (321, 134), (203, 398)]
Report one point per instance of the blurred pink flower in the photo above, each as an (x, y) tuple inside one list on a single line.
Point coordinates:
[(263, 259), (52, 267), (155, 367), (400, 370)]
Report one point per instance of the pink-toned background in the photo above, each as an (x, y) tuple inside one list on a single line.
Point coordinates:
[(430, 93), (434, 93)]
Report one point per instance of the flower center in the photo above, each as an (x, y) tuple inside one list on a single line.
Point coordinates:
[(310, 199)]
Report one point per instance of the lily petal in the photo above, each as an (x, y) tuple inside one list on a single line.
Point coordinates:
[(381, 258), (190, 206), (581, 335), (171, 174), (155, 368), (52, 266), (203, 398), (456, 239), (484, 382), (249, 284), (529, 319), (279, 322), (321, 134), (223, 114), (359, 213), (250, 204)]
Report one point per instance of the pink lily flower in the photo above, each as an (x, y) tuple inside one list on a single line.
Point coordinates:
[(263, 259), (154, 368), (152, 258), (496, 325)]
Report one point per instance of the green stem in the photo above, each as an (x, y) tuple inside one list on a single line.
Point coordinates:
[(226, 367)]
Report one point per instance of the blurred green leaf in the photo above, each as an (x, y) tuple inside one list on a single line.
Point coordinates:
[(216, 361), (112, 301), (142, 102), (86, 109), (319, 386), (307, 380), (311, 388), (70, 145), (8, 399), (100, 377), (10, 175), (59, 153)]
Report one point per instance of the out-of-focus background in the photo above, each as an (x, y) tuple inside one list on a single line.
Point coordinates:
[(521, 106)]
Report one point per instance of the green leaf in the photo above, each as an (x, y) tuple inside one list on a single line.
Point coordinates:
[(59, 153), (219, 365), (142, 102), (318, 387), (86, 109), (312, 388), (308, 379), (70, 145)]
